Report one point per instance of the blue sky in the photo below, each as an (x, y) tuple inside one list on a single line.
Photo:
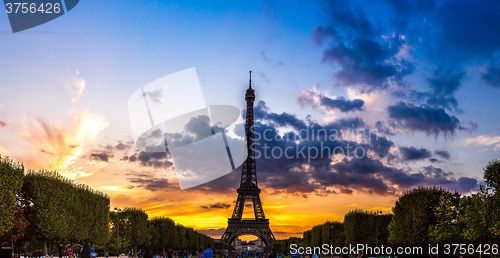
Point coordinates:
[(425, 74)]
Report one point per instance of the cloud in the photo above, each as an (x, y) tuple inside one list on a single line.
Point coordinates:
[(353, 42), (150, 159), (154, 97), (381, 145), (77, 88), (447, 81), (443, 154), (123, 146), (3, 124), (199, 126), (217, 206), (329, 172), (492, 75), (150, 183), (313, 99), (101, 156), (261, 112), (444, 83), (422, 119), (482, 140), (66, 143), (414, 154)]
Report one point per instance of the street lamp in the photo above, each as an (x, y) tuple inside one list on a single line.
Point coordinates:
[(117, 231)]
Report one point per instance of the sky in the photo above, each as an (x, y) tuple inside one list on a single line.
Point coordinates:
[(407, 89)]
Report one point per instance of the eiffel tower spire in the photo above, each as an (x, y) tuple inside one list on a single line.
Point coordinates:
[(249, 190), (249, 173)]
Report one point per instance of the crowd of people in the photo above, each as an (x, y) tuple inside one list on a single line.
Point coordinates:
[(207, 253)]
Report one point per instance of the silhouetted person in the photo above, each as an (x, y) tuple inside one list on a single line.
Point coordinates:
[(60, 250), (272, 254), (209, 253)]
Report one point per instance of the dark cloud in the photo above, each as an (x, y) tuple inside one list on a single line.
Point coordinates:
[(353, 42), (199, 126), (123, 146), (151, 183), (439, 101), (101, 156), (423, 119), (303, 175), (434, 160), (217, 206), (492, 75), (465, 185), (380, 145), (455, 33), (435, 172), (446, 82), (340, 103), (346, 191), (414, 154), (154, 97), (261, 112), (150, 159), (443, 154)]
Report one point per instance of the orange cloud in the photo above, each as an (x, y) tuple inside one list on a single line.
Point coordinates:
[(65, 144)]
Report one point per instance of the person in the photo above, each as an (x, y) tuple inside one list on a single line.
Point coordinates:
[(169, 253), (69, 251), (273, 254), (60, 250), (199, 253), (209, 253), (295, 254), (314, 255)]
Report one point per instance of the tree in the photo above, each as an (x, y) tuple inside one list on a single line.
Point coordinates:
[(492, 175), (364, 227), (56, 208), (306, 238), (135, 229), (11, 179), (316, 236), (414, 215), (337, 235), (446, 228), (475, 217), (163, 233), (492, 180), (47, 201)]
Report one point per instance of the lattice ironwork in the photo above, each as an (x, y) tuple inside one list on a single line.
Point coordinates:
[(249, 190)]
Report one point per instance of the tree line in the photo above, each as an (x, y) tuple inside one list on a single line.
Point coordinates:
[(420, 216), (39, 210)]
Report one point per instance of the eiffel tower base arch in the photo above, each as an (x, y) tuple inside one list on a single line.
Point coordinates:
[(256, 227)]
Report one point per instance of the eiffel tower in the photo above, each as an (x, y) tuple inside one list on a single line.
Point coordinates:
[(248, 190)]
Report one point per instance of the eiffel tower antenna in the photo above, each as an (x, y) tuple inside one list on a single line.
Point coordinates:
[(248, 190)]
